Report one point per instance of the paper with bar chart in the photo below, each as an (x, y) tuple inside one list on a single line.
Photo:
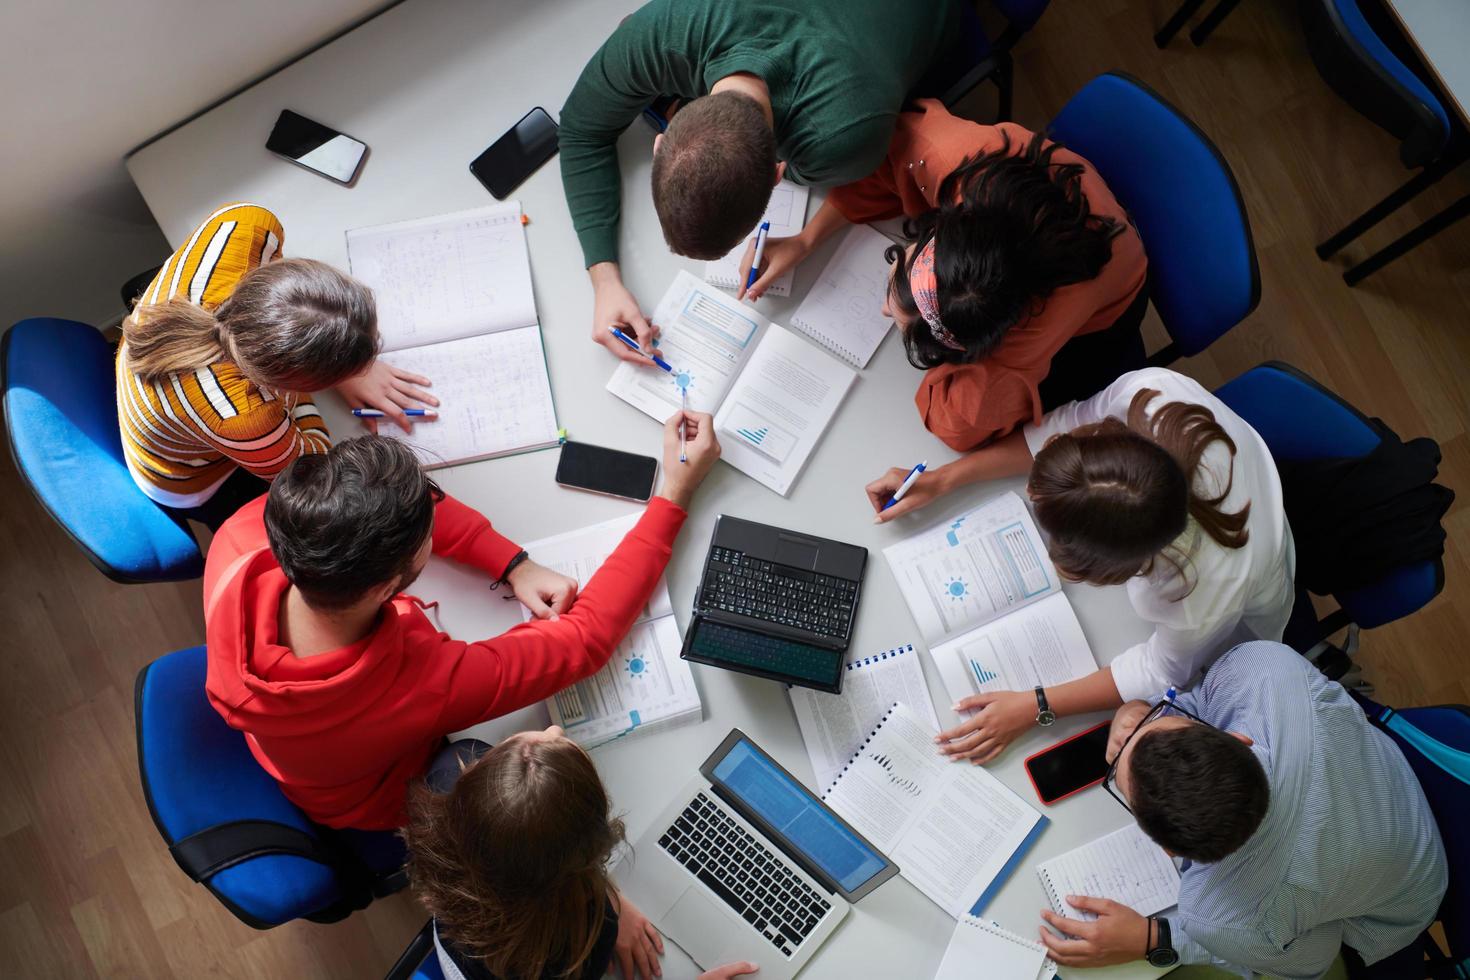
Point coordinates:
[(989, 601), (772, 394), (644, 686)]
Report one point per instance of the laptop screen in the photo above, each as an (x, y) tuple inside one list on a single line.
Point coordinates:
[(806, 823)]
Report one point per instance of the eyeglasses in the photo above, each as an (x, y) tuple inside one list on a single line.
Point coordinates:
[(1155, 713)]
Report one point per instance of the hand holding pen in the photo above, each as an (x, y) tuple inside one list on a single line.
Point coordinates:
[(899, 491), (632, 345)]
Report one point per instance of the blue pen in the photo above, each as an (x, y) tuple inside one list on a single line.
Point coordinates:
[(633, 345), (908, 481), (760, 252), (373, 413)]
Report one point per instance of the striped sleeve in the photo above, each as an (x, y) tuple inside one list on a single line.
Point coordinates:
[(260, 431), (231, 242)]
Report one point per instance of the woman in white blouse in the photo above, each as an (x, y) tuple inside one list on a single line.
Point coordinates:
[(1156, 483)]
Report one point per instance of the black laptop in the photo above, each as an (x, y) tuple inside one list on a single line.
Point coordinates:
[(776, 604)]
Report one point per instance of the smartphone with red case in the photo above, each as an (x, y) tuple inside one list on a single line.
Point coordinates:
[(1070, 766)]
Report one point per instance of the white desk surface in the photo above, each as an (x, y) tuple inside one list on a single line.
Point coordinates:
[(1440, 29), (427, 86)]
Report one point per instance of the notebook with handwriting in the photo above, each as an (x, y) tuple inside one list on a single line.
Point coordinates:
[(843, 311), (786, 212), (455, 305), (956, 831), (1124, 866)]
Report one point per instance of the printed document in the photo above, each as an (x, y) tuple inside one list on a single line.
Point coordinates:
[(988, 599), (772, 395), (955, 831), (455, 304), (787, 214)]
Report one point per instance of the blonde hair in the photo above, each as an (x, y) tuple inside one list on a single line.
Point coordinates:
[(290, 325)]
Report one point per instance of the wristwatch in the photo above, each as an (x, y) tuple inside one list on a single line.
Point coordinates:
[(1044, 715), (1161, 952)]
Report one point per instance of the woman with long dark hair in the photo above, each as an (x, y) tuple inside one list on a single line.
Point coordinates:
[(1153, 484), (508, 849), (1014, 247)]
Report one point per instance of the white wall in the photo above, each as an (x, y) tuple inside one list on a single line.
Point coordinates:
[(82, 82)]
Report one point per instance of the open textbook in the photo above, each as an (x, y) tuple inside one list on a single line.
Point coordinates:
[(833, 726), (455, 305), (645, 687), (771, 393), (988, 600), (843, 310), (1124, 866), (955, 831), (786, 212), (980, 948)]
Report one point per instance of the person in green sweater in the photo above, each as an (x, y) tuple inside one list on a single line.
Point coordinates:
[(807, 89)]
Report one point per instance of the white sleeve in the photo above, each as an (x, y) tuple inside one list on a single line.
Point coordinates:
[(1171, 657), (1114, 401)]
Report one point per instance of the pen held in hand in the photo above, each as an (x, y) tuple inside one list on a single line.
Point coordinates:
[(683, 405), (373, 413), (908, 482), (632, 345), (761, 234)]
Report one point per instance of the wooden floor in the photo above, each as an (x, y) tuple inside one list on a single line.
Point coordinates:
[(86, 887)]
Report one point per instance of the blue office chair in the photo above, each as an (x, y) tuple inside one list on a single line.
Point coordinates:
[(1299, 419), (419, 960), (61, 417), (1182, 197), (1352, 56), (226, 821), (1436, 743)]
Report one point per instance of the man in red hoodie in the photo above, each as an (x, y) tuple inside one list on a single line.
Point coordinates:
[(342, 686)]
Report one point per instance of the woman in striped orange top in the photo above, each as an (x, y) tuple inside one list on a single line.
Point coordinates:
[(221, 353)]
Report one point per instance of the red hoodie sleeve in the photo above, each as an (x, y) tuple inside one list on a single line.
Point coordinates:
[(534, 660), (465, 535)]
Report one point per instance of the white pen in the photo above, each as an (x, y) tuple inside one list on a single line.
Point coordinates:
[(762, 233), (683, 404), (373, 413), (908, 481)]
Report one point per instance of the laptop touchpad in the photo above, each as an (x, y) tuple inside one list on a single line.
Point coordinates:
[(796, 552), (699, 925)]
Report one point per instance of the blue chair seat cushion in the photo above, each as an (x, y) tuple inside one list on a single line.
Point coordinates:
[(61, 417)]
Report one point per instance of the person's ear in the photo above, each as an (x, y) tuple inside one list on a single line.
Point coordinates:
[(780, 172), (658, 141), (383, 593), (1242, 737)]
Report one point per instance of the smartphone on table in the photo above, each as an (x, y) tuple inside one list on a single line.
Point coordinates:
[(516, 155), (584, 466), (1071, 765), (320, 149)]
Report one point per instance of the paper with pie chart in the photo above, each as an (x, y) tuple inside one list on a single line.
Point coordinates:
[(644, 686)]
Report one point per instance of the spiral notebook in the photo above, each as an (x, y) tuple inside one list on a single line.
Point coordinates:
[(843, 311), (1124, 866), (956, 831), (982, 948), (833, 725), (786, 211)]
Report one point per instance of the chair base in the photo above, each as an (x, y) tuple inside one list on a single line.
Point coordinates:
[(1202, 30), (1408, 241)]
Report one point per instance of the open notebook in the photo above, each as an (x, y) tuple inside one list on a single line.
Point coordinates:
[(843, 310), (1124, 866), (786, 212), (833, 726), (980, 948), (985, 594), (455, 305), (772, 394), (955, 831), (645, 686)]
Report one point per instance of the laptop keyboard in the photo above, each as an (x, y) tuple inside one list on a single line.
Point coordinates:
[(745, 873), (738, 583), (773, 654)]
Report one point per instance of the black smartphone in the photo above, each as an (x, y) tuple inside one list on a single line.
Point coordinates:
[(320, 149), (610, 471), (1071, 765), (517, 154)]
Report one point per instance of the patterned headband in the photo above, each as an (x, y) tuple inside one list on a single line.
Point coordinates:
[(925, 288)]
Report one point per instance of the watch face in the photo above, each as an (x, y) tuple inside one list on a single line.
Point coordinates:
[(1162, 957), (1045, 718)]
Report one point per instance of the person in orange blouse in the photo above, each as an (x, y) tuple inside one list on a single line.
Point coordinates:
[(1015, 246)]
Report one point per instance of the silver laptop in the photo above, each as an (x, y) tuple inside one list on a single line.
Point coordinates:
[(748, 864)]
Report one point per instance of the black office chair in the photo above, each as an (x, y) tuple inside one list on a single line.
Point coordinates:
[(134, 287), (1354, 57), (1202, 30)]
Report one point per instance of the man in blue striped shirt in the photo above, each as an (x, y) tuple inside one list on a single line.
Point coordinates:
[(1301, 827)]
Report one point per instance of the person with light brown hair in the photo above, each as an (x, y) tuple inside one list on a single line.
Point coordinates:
[(1153, 484), (508, 849), (221, 354)]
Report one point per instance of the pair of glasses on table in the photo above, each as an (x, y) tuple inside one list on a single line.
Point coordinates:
[(1164, 707)]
